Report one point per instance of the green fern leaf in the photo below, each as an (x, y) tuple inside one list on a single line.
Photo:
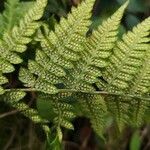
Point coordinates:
[(89, 68), (13, 96), (14, 10), (102, 41), (128, 72), (29, 112), (3, 80), (56, 109), (61, 111), (65, 42), (17, 37), (93, 107), (118, 107), (63, 59), (9, 16), (128, 57), (61, 48), (68, 63), (137, 114), (38, 84)]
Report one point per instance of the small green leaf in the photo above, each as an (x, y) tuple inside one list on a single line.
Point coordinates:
[(45, 109), (135, 141)]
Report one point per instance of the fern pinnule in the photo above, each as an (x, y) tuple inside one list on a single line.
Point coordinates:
[(3, 79), (13, 96), (13, 99), (45, 62), (39, 84), (5, 66), (29, 112)]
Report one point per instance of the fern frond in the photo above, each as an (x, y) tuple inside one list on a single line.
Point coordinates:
[(127, 110), (38, 83), (141, 84), (118, 107), (9, 16), (16, 39), (93, 107), (128, 72), (33, 115), (137, 114), (128, 57), (68, 60), (14, 10), (12, 96), (13, 99), (102, 41), (88, 68), (19, 35), (57, 110), (61, 48), (29, 112), (68, 36), (64, 59), (63, 112)]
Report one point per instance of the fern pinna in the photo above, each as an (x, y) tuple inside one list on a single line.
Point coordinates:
[(69, 65)]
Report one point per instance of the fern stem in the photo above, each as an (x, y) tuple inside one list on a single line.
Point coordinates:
[(103, 93)]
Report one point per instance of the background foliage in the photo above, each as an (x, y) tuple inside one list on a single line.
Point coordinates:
[(17, 132)]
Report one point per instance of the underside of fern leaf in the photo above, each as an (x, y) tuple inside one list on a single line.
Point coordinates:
[(68, 66), (67, 58), (14, 11), (128, 72), (60, 50), (15, 38), (13, 98), (93, 107), (89, 67), (56, 109)]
